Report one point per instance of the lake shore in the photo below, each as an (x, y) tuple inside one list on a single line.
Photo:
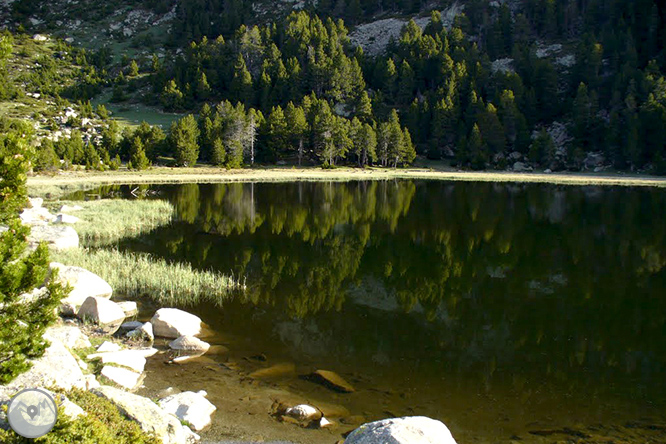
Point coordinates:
[(75, 180)]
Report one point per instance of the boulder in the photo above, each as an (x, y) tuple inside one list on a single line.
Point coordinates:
[(189, 343), (56, 368), (66, 219), (70, 336), (69, 408), (58, 237), (124, 378), (174, 323), (191, 407), (91, 382), (332, 380), (129, 307), (521, 167), (84, 284), (143, 333), (39, 38), (407, 430), (102, 312), (132, 359), (151, 418)]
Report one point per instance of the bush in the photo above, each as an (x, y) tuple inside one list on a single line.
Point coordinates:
[(103, 424)]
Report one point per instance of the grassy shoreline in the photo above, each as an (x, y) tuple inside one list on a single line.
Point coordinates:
[(72, 181)]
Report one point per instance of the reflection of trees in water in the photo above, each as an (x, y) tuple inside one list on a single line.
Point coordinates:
[(558, 278)]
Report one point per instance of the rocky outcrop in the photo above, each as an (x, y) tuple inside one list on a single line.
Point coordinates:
[(151, 418), (408, 430), (189, 344), (174, 323), (191, 407), (66, 219), (70, 336), (56, 368), (102, 312), (84, 285), (58, 237)]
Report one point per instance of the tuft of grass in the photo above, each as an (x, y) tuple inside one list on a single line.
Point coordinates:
[(106, 221), (139, 274)]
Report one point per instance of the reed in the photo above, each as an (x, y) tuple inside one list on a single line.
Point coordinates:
[(106, 221), (138, 275)]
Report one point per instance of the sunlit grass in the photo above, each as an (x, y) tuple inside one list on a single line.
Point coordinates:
[(138, 274), (109, 220)]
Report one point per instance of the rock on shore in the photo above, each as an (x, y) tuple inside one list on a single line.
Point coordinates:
[(406, 430), (174, 323)]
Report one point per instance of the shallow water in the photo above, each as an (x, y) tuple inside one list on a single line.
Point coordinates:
[(510, 312)]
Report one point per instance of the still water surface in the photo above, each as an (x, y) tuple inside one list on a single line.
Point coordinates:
[(510, 312)]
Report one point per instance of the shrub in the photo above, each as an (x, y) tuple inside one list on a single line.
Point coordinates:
[(23, 321)]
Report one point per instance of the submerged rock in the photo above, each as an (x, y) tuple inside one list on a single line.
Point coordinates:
[(275, 371), (174, 323), (191, 407), (407, 430), (332, 380), (132, 359), (151, 418)]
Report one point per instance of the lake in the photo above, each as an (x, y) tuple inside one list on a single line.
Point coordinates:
[(511, 312)]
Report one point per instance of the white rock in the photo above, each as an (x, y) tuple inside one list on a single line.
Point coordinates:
[(324, 423), (190, 436), (102, 311), (189, 343), (520, 167), (132, 359), (58, 237), (124, 378), (70, 208), (408, 430), (144, 333), (35, 202), (149, 415), (66, 219), (83, 282), (71, 337), (191, 407), (91, 382), (108, 346), (303, 412), (129, 307), (174, 323), (36, 216), (39, 38)]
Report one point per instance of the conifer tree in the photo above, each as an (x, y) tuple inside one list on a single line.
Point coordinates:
[(298, 128), (138, 159), (183, 140), (241, 84), (219, 154)]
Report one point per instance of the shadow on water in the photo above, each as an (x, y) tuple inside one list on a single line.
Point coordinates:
[(471, 301)]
